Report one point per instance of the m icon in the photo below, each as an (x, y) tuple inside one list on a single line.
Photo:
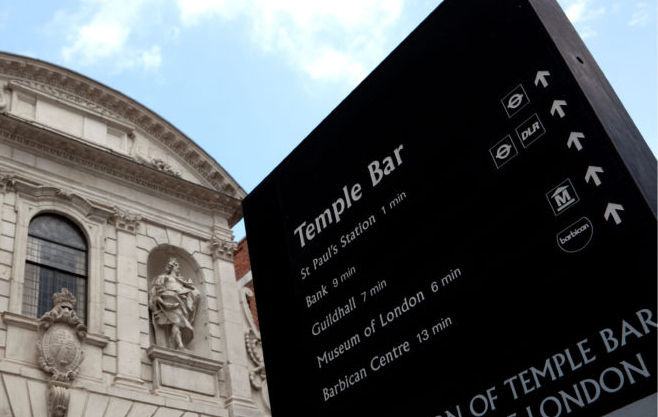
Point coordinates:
[(562, 197)]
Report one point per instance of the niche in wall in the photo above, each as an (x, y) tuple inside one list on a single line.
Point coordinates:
[(189, 269)]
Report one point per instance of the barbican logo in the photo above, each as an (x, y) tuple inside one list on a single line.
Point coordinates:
[(575, 237)]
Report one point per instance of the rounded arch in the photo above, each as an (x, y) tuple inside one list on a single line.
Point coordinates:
[(76, 219), (69, 233), (57, 257), (69, 212), (34, 201), (157, 262)]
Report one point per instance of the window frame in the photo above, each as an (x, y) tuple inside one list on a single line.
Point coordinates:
[(57, 217), (92, 222)]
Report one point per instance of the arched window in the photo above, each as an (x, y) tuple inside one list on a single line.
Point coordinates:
[(56, 259)]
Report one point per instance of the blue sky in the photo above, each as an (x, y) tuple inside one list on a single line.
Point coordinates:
[(249, 79)]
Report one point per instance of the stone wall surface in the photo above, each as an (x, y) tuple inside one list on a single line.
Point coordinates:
[(141, 193)]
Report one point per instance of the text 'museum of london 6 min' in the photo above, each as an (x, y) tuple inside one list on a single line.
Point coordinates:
[(470, 233)]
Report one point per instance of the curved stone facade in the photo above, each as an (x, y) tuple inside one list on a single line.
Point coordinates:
[(141, 193)]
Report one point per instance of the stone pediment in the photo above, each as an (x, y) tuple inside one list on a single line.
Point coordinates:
[(63, 101)]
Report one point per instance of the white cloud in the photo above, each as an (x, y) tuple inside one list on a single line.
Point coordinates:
[(641, 15), (338, 40), (582, 13), (334, 65), (579, 11), (576, 10), (152, 58), (587, 32), (97, 40), (100, 33), (193, 11)]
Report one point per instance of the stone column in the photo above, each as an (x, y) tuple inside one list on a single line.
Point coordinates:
[(128, 343), (238, 387), (6, 179)]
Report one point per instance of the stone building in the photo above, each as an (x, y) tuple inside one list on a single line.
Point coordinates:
[(101, 196)]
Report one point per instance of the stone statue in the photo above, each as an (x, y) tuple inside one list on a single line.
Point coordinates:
[(173, 300)]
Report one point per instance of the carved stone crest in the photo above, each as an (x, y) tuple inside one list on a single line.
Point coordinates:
[(61, 334)]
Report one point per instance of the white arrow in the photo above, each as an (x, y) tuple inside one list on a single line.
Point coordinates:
[(612, 210), (541, 78), (573, 140), (557, 107), (592, 174)]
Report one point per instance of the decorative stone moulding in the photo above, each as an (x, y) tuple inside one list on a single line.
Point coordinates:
[(183, 374), (254, 345), (35, 191), (156, 163), (252, 339), (86, 157), (6, 181), (61, 334), (69, 87), (124, 220), (222, 248)]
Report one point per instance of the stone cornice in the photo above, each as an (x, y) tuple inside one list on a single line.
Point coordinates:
[(32, 323), (183, 358), (68, 100), (98, 160), (30, 189), (74, 88)]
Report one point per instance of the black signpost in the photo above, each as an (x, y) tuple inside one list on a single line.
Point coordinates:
[(472, 232)]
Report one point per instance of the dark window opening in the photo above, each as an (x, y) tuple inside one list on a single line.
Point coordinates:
[(56, 259)]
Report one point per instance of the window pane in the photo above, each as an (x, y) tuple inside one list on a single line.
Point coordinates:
[(31, 290), (57, 229), (46, 280), (57, 256), (50, 281)]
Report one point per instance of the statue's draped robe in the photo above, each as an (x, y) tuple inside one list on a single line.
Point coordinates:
[(174, 301)]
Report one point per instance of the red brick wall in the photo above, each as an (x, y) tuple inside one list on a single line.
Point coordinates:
[(242, 266), (241, 259)]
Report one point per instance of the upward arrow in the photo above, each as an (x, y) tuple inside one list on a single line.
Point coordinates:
[(611, 210), (557, 108), (592, 174), (541, 78), (573, 140)]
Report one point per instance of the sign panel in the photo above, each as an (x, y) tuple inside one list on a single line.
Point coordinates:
[(468, 234)]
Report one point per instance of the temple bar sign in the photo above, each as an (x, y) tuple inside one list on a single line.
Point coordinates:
[(471, 232)]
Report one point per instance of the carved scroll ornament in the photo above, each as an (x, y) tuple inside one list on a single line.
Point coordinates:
[(252, 339)]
